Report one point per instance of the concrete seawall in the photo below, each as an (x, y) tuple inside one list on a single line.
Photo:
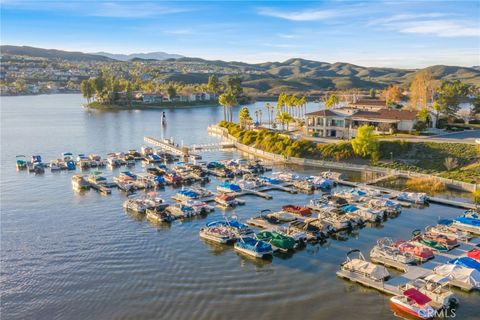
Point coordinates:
[(223, 132)]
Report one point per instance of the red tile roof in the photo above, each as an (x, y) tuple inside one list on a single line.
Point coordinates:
[(369, 102), (323, 113)]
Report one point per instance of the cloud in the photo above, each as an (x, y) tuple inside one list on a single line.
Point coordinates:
[(426, 23), (133, 10), (304, 15)]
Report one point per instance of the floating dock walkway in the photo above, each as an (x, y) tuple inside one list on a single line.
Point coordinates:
[(180, 151)]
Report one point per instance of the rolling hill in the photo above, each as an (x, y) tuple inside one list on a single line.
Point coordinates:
[(51, 53)]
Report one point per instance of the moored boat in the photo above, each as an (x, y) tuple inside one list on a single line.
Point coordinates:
[(362, 268), (421, 253), (298, 210), (219, 234), (413, 197), (79, 182), (421, 240), (386, 253), (228, 187), (21, 162), (277, 240), (414, 303), (253, 247)]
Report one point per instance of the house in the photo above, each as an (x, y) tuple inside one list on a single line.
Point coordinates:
[(152, 97), (344, 122)]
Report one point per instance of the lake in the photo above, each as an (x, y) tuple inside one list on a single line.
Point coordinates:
[(81, 256)]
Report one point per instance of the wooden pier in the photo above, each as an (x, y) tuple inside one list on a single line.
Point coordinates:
[(176, 150)]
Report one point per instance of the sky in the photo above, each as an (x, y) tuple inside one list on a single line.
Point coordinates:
[(403, 34)]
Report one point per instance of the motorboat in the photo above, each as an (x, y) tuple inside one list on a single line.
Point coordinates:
[(199, 206), (437, 290), (448, 241), (304, 185), (323, 226), (362, 268), (270, 180), (388, 206), (159, 214), (146, 150), (459, 276), (253, 247), (186, 194), (413, 197), (386, 253), (219, 234), (297, 210), (300, 237), (136, 205), (173, 178), (228, 187), (337, 221), (277, 240), (21, 162), (283, 216), (237, 227), (466, 262), (264, 221), (226, 200), (421, 253), (414, 303), (54, 165), (448, 231), (313, 232), (421, 240), (250, 183), (285, 176), (322, 183), (181, 210), (467, 222), (79, 182), (367, 214)]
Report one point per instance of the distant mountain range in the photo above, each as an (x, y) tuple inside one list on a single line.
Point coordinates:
[(144, 56), (293, 75)]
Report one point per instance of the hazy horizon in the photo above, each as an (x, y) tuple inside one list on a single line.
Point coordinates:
[(396, 34)]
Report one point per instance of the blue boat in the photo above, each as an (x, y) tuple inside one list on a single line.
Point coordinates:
[(270, 180), (71, 165), (128, 174), (229, 187), (467, 220), (349, 208), (188, 194), (466, 262), (253, 247)]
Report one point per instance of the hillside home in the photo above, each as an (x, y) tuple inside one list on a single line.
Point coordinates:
[(343, 122)]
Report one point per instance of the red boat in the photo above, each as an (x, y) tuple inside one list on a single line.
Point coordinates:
[(226, 200), (172, 178), (420, 253), (413, 303), (302, 211), (474, 254)]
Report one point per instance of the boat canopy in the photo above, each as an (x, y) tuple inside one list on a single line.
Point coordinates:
[(350, 208), (417, 296), (474, 254), (371, 270), (459, 273), (466, 262), (445, 222)]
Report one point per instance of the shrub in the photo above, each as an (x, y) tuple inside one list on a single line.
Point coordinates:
[(428, 185), (476, 196)]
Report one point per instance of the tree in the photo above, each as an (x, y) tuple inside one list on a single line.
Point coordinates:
[(227, 101), (234, 86), (270, 110), (437, 108), (332, 101), (476, 101), (171, 91), (366, 143), (465, 114), (303, 105), (423, 115), (450, 94), (392, 94), (284, 118), (421, 90), (86, 87), (372, 93), (214, 84), (244, 117)]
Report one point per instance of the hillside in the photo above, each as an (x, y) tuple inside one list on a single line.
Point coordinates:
[(51, 53), (292, 75)]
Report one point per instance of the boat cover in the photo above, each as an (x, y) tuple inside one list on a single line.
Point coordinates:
[(466, 262), (445, 222), (417, 296), (474, 254), (469, 221), (371, 270), (350, 208), (459, 273)]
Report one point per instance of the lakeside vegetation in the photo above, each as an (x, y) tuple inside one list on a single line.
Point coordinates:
[(422, 157)]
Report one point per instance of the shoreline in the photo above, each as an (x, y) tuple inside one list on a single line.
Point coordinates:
[(113, 107)]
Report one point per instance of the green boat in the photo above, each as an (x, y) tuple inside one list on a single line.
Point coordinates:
[(277, 240), (432, 244), (21, 162)]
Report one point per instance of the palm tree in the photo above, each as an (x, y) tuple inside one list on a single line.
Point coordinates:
[(284, 118), (244, 116), (332, 101), (303, 106), (270, 110), (227, 100)]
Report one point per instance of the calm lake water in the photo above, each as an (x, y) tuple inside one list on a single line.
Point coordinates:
[(71, 256)]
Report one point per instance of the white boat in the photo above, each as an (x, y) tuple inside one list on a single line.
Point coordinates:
[(413, 197), (283, 216), (199, 206), (54, 165), (136, 205), (219, 234), (304, 185), (414, 303), (437, 290), (79, 182), (458, 276), (388, 206), (448, 231), (363, 268), (386, 253), (285, 176), (159, 215), (298, 236)]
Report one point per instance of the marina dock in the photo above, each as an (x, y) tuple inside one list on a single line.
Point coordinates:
[(172, 148)]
